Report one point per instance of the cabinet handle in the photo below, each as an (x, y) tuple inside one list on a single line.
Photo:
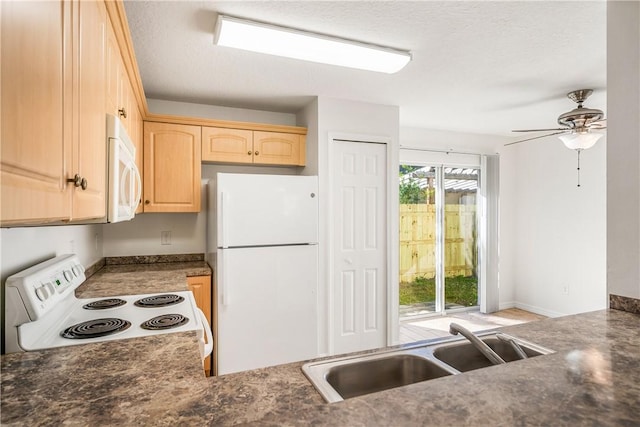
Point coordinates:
[(122, 113), (79, 181), (147, 202), (257, 153), (249, 152)]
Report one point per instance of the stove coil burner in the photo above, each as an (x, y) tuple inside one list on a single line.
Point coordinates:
[(103, 304), (166, 321), (95, 328), (159, 300)]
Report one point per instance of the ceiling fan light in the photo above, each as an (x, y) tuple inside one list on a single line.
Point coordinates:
[(580, 140), (290, 43)]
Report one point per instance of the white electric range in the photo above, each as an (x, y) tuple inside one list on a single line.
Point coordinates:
[(42, 311)]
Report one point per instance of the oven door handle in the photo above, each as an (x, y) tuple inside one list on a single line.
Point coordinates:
[(208, 346)]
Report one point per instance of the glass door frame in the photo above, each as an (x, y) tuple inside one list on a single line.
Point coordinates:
[(440, 297)]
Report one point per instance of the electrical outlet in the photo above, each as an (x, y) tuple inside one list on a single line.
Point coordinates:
[(97, 241), (565, 289), (165, 237)]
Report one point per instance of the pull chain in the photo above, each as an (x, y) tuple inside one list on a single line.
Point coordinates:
[(578, 166)]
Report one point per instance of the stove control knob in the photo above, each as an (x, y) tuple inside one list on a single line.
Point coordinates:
[(41, 293), (76, 270), (68, 275), (50, 288)]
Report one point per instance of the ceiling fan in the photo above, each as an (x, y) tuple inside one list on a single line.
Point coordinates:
[(577, 126)]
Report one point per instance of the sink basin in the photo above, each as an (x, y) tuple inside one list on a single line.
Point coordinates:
[(370, 376), (351, 376), (465, 357)]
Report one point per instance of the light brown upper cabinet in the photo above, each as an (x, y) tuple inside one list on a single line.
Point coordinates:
[(172, 156), (227, 145), (247, 146), (53, 124), (274, 148), (90, 154)]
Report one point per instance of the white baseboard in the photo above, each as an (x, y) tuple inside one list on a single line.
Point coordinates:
[(538, 310), (506, 304)]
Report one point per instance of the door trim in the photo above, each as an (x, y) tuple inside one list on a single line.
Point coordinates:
[(392, 329)]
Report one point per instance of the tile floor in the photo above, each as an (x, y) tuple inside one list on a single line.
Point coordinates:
[(412, 330)]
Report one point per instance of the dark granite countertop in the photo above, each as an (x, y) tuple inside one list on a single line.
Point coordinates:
[(145, 278), (158, 381), (537, 391)]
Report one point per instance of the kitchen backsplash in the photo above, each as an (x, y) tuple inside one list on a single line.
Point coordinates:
[(153, 259), (617, 302)]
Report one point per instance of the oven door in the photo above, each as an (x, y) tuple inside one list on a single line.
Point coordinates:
[(125, 186)]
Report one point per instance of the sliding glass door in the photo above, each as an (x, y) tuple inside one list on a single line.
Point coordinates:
[(438, 239), (460, 238)]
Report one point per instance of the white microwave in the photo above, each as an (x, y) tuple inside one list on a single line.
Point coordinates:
[(125, 185)]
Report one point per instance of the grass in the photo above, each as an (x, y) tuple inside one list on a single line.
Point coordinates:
[(461, 290)]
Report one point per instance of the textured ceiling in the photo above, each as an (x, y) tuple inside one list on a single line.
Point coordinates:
[(484, 67)]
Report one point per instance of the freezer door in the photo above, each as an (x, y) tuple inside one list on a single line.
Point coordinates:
[(266, 302), (258, 210)]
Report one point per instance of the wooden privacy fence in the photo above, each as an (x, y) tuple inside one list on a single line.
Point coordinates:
[(418, 241)]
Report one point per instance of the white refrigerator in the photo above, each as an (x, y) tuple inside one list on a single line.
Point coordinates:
[(266, 234)]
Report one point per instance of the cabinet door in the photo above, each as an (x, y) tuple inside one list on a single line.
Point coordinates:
[(90, 144), (273, 148), (113, 73), (172, 156), (227, 145), (201, 288), (36, 125)]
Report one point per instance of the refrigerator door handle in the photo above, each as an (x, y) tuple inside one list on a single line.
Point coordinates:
[(223, 228), (223, 278)]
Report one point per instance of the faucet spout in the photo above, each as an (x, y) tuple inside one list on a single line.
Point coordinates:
[(455, 329)]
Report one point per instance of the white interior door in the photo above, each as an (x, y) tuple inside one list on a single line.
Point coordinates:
[(359, 246)]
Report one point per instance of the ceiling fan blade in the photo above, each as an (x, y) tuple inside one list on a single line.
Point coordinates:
[(536, 137), (537, 130), (600, 124)]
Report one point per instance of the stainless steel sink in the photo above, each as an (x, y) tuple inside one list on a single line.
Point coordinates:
[(372, 375), (345, 377), (465, 357)]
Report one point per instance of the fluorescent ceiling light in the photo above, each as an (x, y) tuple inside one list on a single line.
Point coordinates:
[(290, 43)]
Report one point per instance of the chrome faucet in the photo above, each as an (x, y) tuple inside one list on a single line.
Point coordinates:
[(455, 329)]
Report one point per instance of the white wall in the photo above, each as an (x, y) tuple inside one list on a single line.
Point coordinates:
[(23, 247), (623, 150), (337, 116), (454, 141), (559, 237), (308, 117), (216, 112), (141, 235)]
